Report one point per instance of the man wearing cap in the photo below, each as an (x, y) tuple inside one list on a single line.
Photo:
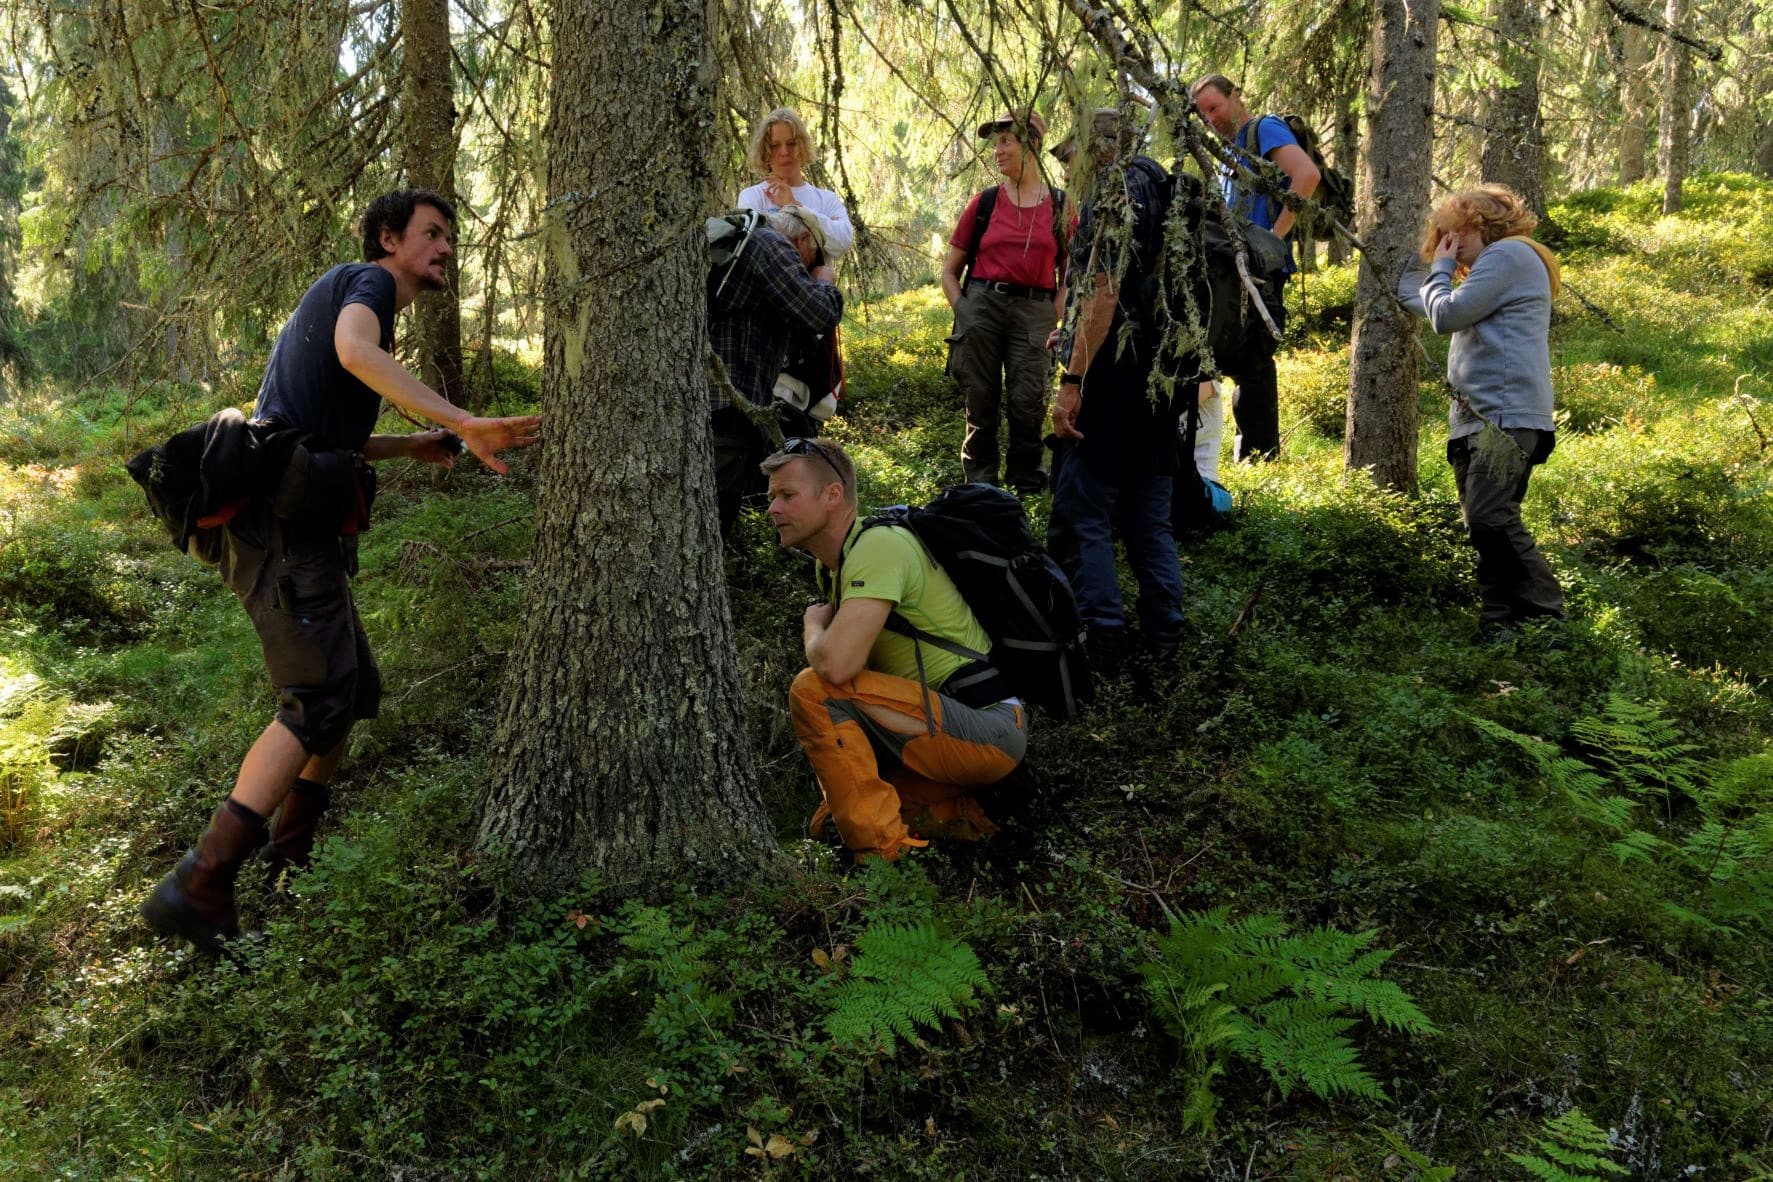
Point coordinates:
[(1221, 104), (1005, 279), (1120, 445), (778, 284)]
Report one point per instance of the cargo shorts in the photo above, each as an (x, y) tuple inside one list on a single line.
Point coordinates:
[(295, 585)]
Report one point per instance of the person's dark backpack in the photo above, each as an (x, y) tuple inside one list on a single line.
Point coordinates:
[(1235, 333), (729, 234), (982, 219), (196, 481), (979, 534), (1335, 191)]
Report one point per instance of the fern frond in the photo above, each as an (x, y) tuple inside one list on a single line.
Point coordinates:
[(1284, 1001), (1572, 1142), (1637, 844), (904, 975)]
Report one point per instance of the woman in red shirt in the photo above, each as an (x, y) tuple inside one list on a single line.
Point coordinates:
[(1004, 277)]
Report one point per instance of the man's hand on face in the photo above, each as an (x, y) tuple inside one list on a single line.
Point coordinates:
[(824, 273), (487, 437)]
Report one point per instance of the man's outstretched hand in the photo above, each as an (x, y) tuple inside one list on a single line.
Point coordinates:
[(487, 437)]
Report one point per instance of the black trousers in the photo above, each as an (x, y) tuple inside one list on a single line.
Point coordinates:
[(1513, 577)]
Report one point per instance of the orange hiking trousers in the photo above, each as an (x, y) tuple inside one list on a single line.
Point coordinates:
[(870, 774)]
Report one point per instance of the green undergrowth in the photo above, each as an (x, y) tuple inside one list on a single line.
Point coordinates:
[(1355, 895)]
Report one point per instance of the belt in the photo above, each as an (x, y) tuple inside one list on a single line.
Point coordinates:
[(1013, 289)]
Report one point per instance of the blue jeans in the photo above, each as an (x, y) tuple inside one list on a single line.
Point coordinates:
[(1091, 507)]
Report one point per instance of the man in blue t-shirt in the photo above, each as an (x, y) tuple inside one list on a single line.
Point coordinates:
[(1221, 104), (288, 559)]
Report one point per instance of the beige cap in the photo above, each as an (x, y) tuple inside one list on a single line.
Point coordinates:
[(1105, 123), (1037, 126)]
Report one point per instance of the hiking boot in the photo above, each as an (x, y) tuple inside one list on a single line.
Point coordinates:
[(1107, 649), (196, 901), (1161, 644), (292, 844)]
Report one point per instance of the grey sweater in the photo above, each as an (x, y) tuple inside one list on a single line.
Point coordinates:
[(1500, 318)]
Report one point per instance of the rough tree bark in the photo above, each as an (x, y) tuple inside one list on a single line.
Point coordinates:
[(1677, 110), (1395, 171), (428, 117), (1346, 157), (1514, 146), (621, 744), (1634, 103)]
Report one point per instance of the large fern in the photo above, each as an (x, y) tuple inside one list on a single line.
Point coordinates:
[(1637, 789), (1249, 987), (1575, 1149), (904, 975)]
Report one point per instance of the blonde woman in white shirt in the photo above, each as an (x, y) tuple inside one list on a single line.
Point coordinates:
[(780, 150)]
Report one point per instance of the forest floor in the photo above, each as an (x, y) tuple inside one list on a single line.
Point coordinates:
[(1564, 842)]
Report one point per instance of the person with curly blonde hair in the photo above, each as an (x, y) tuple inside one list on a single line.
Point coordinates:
[(780, 149), (1482, 279)]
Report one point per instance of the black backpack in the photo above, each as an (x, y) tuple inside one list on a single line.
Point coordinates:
[(980, 536), (1335, 191), (199, 479), (1235, 333), (728, 234)]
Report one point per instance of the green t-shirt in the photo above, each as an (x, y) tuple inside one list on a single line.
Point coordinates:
[(888, 562)]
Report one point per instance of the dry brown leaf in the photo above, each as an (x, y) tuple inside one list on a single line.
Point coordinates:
[(778, 1146)]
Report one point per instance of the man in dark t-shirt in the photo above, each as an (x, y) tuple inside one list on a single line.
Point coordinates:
[(289, 559), (1120, 443)]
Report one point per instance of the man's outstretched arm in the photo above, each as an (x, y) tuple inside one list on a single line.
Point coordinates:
[(358, 342)]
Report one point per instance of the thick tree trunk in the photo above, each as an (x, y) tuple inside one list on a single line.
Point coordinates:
[(1514, 146), (1346, 157), (1677, 114), (428, 116), (1396, 168), (1634, 103), (621, 746)]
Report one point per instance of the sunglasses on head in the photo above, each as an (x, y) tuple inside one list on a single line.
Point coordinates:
[(797, 445)]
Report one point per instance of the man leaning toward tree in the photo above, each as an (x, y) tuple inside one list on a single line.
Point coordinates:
[(289, 559), (897, 730), (1257, 403)]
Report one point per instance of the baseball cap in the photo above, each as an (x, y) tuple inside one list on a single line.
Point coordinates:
[(1104, 124), (1037, 126)]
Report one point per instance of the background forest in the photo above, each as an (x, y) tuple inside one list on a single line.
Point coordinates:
[(1361, 898)]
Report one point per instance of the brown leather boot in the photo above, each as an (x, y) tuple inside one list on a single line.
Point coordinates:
[(196, 900), (292, 842)]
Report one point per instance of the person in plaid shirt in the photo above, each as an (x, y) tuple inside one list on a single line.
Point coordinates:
[(779, 283)]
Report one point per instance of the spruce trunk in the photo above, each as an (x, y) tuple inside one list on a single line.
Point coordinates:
[(1514, 146), (428, 116), (1395, 170), (621, 746), (1634, 103), (1677, 104)]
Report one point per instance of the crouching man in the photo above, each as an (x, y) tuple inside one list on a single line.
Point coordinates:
[(898, 730)]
